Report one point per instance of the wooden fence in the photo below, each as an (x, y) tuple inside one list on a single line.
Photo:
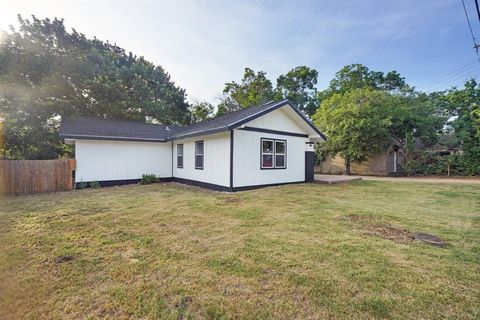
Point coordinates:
[(32, 176)]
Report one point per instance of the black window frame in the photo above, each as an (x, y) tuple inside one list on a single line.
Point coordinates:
[(180, 156), (274, 154), (202, 155)]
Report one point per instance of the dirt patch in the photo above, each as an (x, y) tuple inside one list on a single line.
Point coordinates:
[(62, 259), (378, 228)]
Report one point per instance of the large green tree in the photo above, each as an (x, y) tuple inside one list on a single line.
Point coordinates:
[(463, 106), (298, 86), (47, 73), (254, 89), (356, 76), (357, 124)]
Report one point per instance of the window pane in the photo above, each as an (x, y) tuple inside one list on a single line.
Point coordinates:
[(180, 149), (267, 161), (267, 146), (279, 161), (180, 162), (280, 147), (199, 162), (199, 147)]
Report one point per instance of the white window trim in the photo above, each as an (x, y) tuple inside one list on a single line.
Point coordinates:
[(267, 153), (200, 154), (180, 155), (284, 154)]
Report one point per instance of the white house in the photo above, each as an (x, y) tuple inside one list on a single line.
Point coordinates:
[(270, 144)]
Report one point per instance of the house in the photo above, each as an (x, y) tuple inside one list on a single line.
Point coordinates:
[(265, 145), (391, 161), (384, 163)]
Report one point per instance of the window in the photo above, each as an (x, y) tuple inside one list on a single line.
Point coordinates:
[(199, 155), (179, 155), (267, 153), (280, 153), (274, 154)]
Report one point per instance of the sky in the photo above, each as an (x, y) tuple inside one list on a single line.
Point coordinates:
[(204, 44)]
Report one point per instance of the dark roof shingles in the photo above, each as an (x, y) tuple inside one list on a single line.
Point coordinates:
[(131, 130), (93, 127)]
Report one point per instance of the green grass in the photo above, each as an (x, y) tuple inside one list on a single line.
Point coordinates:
[(167, 251)]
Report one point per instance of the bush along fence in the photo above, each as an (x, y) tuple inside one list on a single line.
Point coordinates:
[(419, 163), (33, 176)]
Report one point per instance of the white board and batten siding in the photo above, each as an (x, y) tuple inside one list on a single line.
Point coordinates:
[(247, 154), (216, 161), (121, 160)]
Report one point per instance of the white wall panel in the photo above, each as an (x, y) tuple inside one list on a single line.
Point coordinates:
[(216, 162), (278, 119), (246, 161), (121, 160)]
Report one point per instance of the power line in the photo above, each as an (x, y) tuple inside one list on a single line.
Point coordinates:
[(475, 45), (478, 9), (452, 77), (475, 71), (450, 74)]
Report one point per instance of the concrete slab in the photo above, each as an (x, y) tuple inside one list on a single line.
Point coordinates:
[(334, 179)]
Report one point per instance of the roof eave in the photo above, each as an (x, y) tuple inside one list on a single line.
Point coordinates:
[(111, 138)]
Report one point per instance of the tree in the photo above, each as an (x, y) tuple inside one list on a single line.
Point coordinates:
[(201, 110), (357, 124), (463, 106), (298, 86), (356, 76), (416, 115), (254, 89), (47, 73)]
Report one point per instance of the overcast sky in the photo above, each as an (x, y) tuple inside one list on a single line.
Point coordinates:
[(203, 44)]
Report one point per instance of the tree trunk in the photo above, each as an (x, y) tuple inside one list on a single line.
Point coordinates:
[(347, 166)]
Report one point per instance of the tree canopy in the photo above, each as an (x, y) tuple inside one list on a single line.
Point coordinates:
[(356, 76), (201, 110), (47, 73), (254, 89), (357, 124), (299, 86), (463, 107)]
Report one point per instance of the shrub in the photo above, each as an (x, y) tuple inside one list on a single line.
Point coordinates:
[(82, 185), (424, 163), (148, 179), (94, 184)]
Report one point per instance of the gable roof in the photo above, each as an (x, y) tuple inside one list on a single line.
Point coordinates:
[(136, 131)]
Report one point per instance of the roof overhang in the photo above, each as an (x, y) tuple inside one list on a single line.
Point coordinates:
[(73, 137)]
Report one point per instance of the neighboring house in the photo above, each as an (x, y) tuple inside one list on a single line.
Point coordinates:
[(390, 162), (381, 164), (447, 145), (270, 144)]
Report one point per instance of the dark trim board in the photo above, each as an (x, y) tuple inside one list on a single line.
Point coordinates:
[(274, 107), (210, 186), (104, 138), (111, 183), (283, 133), (201, 184), (217, 187), (231, 158), (245, 188)]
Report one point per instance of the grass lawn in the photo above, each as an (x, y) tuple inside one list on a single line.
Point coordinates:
[(168, 251)]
